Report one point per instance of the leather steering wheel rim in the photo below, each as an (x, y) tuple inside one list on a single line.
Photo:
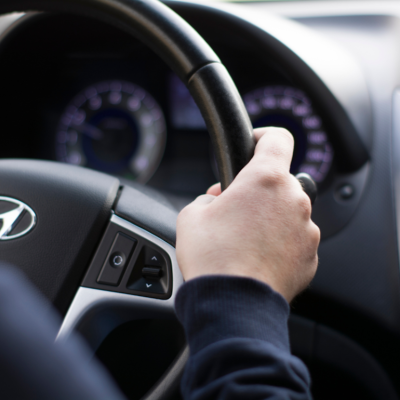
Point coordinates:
[(191, 58)]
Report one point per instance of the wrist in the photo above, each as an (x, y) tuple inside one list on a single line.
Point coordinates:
[(218, 307)]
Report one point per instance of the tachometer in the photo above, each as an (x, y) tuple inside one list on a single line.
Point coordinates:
[(290, 108), (115, 127)]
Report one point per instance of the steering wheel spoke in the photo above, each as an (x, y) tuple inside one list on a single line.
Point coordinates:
[(133, 275)]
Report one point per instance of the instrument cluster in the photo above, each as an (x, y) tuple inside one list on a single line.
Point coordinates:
[(118, 127)]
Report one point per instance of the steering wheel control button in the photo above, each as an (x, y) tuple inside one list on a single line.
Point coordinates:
[(148, 285), (153, 257), (151, 272), (116, 260), (126, 262)]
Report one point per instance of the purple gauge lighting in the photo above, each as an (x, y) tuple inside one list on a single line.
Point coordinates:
[(291, 109), (115, 127)]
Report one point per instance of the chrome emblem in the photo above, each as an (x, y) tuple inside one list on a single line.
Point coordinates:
[(17, 221)]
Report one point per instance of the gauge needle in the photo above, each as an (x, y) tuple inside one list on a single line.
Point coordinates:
[(89, 130)]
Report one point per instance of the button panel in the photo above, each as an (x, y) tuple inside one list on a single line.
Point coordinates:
[(153, 257), (155, 280), (116, 260), (127, 263)]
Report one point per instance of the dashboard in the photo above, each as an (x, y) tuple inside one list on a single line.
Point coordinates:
[(88, 94), (123, 112)]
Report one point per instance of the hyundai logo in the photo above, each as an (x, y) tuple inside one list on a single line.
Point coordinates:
[(16, 218)]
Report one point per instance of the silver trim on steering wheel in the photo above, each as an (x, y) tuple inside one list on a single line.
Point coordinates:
[(95, 313)]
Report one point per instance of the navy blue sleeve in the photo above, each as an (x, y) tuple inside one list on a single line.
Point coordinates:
[(32, 365), (238, 338)]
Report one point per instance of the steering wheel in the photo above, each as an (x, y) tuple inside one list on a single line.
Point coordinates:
[(59, 219)]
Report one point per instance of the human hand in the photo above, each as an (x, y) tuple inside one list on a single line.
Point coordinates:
[(259, 227)]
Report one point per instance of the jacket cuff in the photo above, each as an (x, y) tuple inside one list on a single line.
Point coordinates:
[(214, 308)]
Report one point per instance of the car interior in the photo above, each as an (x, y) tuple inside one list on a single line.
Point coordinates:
[(81, 92)]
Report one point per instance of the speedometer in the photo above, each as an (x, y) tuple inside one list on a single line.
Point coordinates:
[(115, 127), (290, 108)]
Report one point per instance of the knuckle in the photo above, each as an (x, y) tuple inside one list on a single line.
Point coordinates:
[(313, 267), (316, 234), (304, 204), (272, 177), (313, 238), (284, 133), (281, 137), (276, 149)]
